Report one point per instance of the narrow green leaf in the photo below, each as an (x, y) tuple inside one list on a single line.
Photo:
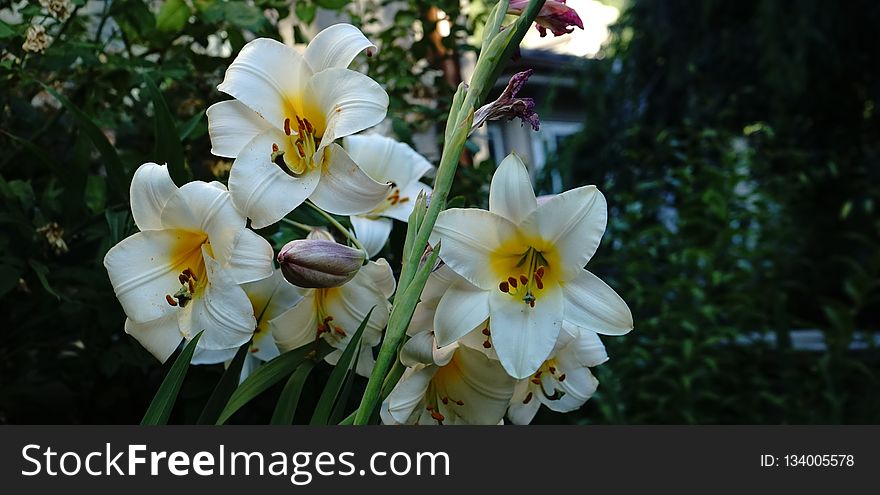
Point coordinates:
[(285, 408), (342, 400), (269, 374), (160, 409), (168, 147), (224, 389), (334, 383), (115, 171), (191, 125)]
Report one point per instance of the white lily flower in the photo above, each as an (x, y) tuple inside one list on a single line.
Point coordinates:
[(461, 386), (386, 161), (525, 266), (181, 273), (270, 298), (564, 382), (288, 110), (335, 314)]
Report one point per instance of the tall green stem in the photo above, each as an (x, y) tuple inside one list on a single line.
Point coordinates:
[(497, 47)]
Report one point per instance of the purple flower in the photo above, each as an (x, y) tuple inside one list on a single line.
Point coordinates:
[(508, 106), (556, 16)]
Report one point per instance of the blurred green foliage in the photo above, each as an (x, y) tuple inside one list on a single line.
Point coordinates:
[(738, 146), (736, 142)]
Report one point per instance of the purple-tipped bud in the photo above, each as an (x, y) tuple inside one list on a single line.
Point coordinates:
[(508, 106), (319, 263), (556, 16)]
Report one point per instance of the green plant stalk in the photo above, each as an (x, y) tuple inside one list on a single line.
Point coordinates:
[(403, 310), (497, 48)]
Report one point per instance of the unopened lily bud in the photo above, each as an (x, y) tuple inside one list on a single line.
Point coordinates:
[(319, 263)]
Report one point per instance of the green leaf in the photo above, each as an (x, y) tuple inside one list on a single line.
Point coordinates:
[(191, 125), (168, 147), (305, 11), (115, 171), (172, 16), (269, 374), (332, 4), (244, 16), (95, 194), (342, 400), (224, 389), (285, 408), (163, 401), (42, 270), (6, 30), (334, 384)]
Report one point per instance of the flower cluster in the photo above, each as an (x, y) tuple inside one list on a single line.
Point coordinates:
[(195, 265), (508, 320), (511, 320)]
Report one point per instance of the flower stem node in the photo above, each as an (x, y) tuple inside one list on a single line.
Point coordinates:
[(319, 263)]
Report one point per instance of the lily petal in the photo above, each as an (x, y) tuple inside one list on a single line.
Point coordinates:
[(385, 159), (591, 304), (523, 408), (232, 125), (408, 394), (524, 336), (295, 327), (261, 189), (145, 267), (350, 101), (372, 232), (418, 350), (478, 389), (578, 387), (336, 46), (263, 76), (511, 194), (251, 258), (462, 308), (161, 336), (151, 188), (223, 311), (344, 189), (402, 209), (586, 348), (207, 356), (470, 237), (216, 215), (573, 222)]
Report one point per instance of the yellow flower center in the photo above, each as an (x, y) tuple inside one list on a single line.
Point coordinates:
[(524, 273), (548, 371), (304, 128), (325, 327), (188, 259)]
